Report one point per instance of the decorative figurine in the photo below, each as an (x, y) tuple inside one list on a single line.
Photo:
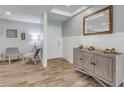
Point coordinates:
[(91, 48), (110, 51), (113, 51), (81, 46), (107, 51)]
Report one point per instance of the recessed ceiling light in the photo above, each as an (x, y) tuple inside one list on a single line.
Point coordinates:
[(8, 13)]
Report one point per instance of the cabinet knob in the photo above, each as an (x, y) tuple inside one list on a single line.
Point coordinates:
[(81, 58)]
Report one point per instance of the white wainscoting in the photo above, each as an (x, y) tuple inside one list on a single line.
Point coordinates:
[(99, 41)]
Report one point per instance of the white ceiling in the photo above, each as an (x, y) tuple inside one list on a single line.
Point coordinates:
[(69, 9), (33, 13), (57, 17)]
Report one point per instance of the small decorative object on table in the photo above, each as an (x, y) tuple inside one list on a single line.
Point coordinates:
[(110, 51), (91, 48), (81, 46), (107, 51), (113, 51)]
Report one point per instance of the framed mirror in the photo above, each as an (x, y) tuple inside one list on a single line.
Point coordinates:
[(99, 22)]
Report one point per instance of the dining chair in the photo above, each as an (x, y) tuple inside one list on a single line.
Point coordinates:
[(31, 56)]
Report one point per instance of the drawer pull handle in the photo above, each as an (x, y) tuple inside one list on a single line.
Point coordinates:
[(93, 63)]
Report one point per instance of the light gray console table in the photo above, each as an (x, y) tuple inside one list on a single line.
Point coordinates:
[(107, 69)]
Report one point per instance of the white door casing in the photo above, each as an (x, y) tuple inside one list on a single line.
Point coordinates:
[(54, 40)]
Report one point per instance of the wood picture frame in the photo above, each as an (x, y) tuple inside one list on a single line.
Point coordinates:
[(108, 9), (11, 33), (22, 36)]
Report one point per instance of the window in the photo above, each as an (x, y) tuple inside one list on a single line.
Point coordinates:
[(11, 33)]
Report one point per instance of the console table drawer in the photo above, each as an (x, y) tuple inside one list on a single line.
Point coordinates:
[(78, 58)]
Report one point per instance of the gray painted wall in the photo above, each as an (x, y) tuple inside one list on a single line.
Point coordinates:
[(74, 26), (22, 27)]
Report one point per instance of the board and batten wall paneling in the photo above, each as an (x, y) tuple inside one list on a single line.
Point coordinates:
[(72, 32)]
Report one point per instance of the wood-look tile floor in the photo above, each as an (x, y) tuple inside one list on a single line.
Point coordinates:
[(59, 73)]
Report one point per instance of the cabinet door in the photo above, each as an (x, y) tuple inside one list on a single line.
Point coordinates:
[(87, 60), (103, 67), (77, 57)]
